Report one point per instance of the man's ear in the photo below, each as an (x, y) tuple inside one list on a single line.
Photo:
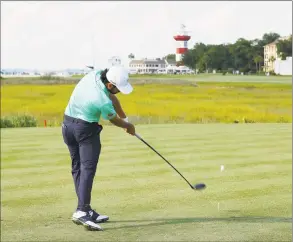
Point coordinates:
[(109, 85)]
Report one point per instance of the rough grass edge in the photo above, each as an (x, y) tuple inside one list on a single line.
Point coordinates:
[(18, 121), (26, 120)]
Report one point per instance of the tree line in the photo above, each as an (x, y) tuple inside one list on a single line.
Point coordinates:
[(243, 55)]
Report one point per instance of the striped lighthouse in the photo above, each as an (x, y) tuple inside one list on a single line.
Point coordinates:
[(181, 39)]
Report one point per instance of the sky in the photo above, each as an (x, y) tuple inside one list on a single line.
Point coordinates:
[(72, 34)]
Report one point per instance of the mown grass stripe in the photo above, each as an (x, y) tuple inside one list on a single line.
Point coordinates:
[(133, 184)]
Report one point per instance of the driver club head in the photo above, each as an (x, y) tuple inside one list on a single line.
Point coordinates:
[(199, 186)]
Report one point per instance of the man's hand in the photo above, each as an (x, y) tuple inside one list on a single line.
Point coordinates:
[(130, 129)]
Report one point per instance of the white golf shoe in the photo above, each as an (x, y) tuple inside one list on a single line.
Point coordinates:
[(85, 219), (98, 218)]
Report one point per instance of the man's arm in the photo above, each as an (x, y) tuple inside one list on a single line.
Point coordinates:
[(123, 124), (117, 106), (119, 122), (108, 113)]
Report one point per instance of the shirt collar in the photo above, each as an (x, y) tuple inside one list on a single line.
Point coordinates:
[(100, 83)]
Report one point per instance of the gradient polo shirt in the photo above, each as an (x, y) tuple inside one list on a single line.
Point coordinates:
[(90, 100)]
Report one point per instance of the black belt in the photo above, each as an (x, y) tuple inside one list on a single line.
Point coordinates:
[(77, 120)]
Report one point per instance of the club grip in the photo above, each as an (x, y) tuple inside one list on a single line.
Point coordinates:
[(137, 136)]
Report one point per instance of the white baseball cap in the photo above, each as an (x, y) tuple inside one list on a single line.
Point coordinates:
[(118, 76)]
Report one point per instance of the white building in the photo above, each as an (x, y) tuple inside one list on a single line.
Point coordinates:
[(146, 66), (270, 54), (157, 66), (283, 67)]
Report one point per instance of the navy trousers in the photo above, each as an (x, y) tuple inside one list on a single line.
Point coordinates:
[(83, 141)]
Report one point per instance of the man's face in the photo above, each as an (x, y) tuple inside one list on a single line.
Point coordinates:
[(112, 89)]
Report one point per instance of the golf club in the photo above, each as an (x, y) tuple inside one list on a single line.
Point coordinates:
[(198, 186)]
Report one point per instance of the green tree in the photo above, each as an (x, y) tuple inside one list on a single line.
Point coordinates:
[(269, 38), (241, 52), (244, 54), (272, 59), (170, 57), (258, 50), (189, 59), (206, 60), (284, 48), (199, 50), (258, 60)]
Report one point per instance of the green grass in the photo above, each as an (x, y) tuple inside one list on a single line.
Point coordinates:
[(216, 77), (145, 199), (159, 102), (155, 78)]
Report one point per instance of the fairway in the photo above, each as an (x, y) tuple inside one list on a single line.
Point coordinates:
[(145, 199)]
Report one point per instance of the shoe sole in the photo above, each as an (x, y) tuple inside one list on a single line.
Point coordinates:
[(102, 220), (97, 221), (86, 226)]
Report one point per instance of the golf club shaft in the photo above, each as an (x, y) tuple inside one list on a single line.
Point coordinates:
[(163, 159)]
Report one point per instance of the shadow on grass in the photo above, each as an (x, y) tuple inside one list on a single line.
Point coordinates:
[(157, 222)]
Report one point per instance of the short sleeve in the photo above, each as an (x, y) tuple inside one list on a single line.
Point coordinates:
[(107, 111)]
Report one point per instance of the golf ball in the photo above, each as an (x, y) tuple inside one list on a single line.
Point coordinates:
[(222, 167)]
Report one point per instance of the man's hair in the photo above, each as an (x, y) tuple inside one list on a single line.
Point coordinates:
[(104, 77)]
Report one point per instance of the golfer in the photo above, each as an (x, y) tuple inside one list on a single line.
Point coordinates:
[(93, 97)]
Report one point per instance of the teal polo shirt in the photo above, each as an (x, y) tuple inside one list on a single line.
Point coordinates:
[(90, 100)]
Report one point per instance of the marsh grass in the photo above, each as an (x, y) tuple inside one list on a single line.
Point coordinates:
[(205, 102)]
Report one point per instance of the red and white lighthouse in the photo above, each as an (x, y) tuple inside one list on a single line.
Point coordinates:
[(181, 38)]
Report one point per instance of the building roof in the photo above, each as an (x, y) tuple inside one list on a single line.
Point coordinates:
[(146, 61), (277, 40)]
